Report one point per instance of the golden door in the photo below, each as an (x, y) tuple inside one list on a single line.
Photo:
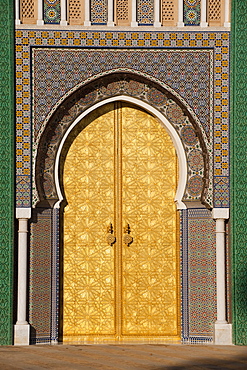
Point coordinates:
[(121, 261)]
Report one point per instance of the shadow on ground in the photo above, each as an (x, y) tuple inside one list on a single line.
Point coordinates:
[(205, 363)]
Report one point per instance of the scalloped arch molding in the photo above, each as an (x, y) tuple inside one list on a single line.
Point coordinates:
[(181, 124)]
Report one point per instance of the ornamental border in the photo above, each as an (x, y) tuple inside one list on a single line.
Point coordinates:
[(219, 41)]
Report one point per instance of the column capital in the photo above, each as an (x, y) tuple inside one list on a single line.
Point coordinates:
[(23, 212), (220, 213)]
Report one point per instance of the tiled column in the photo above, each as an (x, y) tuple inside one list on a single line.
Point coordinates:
[(180, 22), (133, 14), (63, 21), (87, 21), (157, 22), (203, 13), (222, 330), (227, 14), (110, 22), (40, 20), (17, 12), (22, 328)]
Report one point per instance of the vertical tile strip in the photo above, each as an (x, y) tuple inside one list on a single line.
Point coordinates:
[(55, 276), (184, 274), (238, 169), (6, 169), (52, 11)]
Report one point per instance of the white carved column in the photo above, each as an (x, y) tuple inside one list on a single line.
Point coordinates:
[(110, 22), (87, 21), (17, 12), (203, 13), (133, 14), (22, 328), (227, 14), (63, 21), (157, 22), (40, 20), (180, 22), (222, 330)]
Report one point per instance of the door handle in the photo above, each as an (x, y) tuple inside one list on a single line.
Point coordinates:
[(110, 238), (127, 237)]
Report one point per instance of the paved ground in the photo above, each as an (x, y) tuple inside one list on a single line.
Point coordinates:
[(123, 357)]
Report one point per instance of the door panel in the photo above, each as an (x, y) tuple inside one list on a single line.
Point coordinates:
[(150, 262), (89, 307), (120, 169)]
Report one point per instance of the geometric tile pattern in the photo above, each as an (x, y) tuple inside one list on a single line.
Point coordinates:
[(98, 12), (6, 170), (192, 12), (221, 185), (198, 275), (67, 68), (238, 171), (40, 275), (52, 11), (217, 41), (55, 280), (145, 9)]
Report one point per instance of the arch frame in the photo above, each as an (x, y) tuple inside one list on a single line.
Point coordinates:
[(56, 134), (147, 94), (182, 161)]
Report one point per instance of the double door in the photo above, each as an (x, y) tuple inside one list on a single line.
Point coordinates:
[(120, 260)]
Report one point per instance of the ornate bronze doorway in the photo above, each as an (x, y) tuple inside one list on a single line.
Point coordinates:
[(121, 258)]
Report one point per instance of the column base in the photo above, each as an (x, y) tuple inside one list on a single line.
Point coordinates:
[(133, 24), (180, 24), (227, 24), (63, 23), (22, 335), (110, 24), (157, 24), (222, 334), (87, 23), (40, 22), (204, 24)]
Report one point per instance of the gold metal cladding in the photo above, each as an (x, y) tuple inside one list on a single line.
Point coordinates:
[(121, 170)]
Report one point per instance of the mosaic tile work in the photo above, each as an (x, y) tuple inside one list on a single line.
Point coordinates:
[(218, 41), (238, 171), (98, 12), (55, 276), (198, 274), (145, 10), (52, 11), (192, 12), (40, 275), (221, 184), (6, 170), (68, 67)]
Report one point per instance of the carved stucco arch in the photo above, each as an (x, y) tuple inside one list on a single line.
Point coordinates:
[(174, 136), (191, 149)]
